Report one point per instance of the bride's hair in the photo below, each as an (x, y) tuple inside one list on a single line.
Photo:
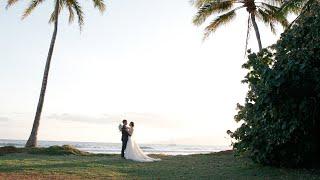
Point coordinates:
[(131, 124)]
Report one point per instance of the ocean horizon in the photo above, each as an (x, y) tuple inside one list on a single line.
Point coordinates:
[(115, 148)]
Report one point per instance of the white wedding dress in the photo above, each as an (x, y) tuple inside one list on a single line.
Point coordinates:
[(133, 151)]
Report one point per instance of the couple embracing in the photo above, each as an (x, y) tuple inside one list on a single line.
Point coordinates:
[(130, 149)]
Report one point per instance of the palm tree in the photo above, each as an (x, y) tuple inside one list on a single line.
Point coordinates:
[(226, 10), (74, 9)]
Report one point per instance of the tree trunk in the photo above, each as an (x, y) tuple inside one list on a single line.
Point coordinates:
[(256, 29), (32, 141)]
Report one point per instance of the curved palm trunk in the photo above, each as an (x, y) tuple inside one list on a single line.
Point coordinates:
[(256, 29), (32, 141)]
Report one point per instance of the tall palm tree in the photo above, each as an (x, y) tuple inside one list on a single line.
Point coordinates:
[(74, 9), (225, 11)]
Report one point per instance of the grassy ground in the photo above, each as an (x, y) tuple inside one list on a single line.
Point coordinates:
[(223, 165)]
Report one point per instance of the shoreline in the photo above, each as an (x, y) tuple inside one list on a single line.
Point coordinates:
[(103, 142), (69, 149), (115, 148)]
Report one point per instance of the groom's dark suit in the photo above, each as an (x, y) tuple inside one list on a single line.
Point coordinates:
[(124, 139)]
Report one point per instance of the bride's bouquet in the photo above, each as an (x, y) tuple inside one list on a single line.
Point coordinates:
[(120, 127)]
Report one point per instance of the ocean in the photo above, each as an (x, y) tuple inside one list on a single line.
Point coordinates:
[(115, 148)]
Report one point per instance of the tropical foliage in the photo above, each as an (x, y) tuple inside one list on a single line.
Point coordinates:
[(226, 10), (281, 116), (297, 7)]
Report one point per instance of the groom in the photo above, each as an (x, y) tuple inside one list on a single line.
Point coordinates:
[(124, 137)]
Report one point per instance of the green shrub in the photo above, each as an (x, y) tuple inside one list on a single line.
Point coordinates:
[(52, 150), (281, 115), (57, 150), (8, 150)]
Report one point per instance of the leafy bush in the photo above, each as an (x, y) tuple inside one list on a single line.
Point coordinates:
[(281, 115)]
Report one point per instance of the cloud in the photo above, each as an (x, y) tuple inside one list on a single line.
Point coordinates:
[(4, 119), (162, 120), (78, 118), (146, 119)]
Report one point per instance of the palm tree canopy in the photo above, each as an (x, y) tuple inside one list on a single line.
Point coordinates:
[(73, 7), (225, 11)]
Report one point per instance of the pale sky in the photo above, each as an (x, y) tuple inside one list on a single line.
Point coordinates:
[(142, 60)]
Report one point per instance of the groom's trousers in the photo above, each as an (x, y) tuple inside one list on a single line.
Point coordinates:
[(124, 145)]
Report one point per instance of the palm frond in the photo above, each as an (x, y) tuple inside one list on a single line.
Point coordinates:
[(271, 2), (210, 8), (31, 7), (53, 14), (100, 5), (70, 10), (220, 20), (199, 3), (79, 12), (265, 17), (271, 15), (10, 3), (270, 7)]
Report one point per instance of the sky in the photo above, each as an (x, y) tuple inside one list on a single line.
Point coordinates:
[(141, 60)]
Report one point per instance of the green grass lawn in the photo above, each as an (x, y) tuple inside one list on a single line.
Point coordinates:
[(221, 165)]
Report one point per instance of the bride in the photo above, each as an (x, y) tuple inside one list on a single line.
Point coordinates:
[(133, 151)]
